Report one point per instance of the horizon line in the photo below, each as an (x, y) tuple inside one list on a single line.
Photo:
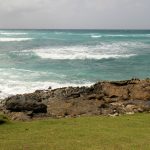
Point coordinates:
[(71, 29)]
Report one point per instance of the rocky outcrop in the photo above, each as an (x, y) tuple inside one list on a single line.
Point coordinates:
[(22, 103), (103, 98)]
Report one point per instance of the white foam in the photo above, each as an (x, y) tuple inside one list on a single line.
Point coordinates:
[(19, 81), (96, 36), (103, 51), (80, 56), (23, 70), (14, 39), (20, 87), (127, 35), (116, 35), (12, 33)]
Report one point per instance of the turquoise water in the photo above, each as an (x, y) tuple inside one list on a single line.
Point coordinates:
[(37, 59)]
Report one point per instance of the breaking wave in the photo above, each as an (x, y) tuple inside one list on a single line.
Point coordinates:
[(12, 33), (103, 51), (62, 56), (127, 35), (96, 36), (14, 39), (20, 87)]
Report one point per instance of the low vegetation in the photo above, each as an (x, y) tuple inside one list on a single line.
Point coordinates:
[(3, 119), (84, 133)]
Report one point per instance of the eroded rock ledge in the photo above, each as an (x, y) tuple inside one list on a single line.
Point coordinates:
[(103, 98)]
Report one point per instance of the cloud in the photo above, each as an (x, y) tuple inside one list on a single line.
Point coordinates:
[(74, 14)]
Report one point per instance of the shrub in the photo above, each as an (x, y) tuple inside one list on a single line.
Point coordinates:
[(3, 119)]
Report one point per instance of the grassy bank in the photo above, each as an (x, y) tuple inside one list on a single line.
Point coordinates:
[(85, 133)]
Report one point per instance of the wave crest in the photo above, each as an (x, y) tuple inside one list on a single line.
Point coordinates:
[(96, 36), (12, 33), (14, 39), (81, 53), (81, 56)]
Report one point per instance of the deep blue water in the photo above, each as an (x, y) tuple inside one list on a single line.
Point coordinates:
[(37, 59)]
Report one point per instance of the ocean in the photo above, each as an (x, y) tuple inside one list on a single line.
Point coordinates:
[(39, 59)]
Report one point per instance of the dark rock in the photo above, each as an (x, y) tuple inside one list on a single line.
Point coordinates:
[(50, 88), (120, 83), (22, 103)]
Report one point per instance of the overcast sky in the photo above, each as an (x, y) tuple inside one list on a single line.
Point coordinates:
[(96, 14)]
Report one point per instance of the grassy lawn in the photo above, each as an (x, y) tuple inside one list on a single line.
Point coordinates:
[(85, 133)]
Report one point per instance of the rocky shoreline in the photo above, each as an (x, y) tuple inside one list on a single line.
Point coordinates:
[(111, 98)]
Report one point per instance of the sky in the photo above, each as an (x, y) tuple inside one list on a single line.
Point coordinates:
[(75, 14)]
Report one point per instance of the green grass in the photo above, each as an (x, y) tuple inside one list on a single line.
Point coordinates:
[(85, 133)]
